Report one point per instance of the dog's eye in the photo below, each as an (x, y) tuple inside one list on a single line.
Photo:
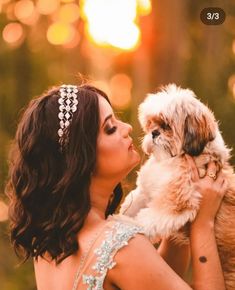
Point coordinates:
[(165, 126)]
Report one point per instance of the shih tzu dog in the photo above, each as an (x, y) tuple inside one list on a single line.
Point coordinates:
[(175, 122)]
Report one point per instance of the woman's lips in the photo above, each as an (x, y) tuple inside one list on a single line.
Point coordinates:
[(131, 146)]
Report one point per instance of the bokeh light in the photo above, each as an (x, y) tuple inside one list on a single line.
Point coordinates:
[(10, 13), (23, 9), (60, 33), (26, 12), (107, 23), (2, 2), (118, 89), (74, 40), (102, 85), (144, 7), (66, 1), (120, 86), (47, 7), (13, 33), (68, 13)]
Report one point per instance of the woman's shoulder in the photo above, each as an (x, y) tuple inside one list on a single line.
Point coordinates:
[(140, 266), (119, 231), (127, 229), (125, 222), (137, 253), (123, 229)]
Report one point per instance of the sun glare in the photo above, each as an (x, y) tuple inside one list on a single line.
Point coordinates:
[(111, 22), (144, 7)]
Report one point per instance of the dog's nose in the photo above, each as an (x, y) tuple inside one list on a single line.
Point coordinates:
[(155, 133)]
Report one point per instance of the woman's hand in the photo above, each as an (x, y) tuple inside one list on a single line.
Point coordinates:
[(207, 270), (212, 189)]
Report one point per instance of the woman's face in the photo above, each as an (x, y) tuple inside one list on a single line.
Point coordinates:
[(116, 155)]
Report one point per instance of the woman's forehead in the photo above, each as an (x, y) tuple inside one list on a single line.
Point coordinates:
[(105, 108)]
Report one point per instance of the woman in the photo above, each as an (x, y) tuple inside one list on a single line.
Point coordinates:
[(70, 155)]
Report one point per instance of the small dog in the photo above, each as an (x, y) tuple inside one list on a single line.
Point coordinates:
[(175, 122)]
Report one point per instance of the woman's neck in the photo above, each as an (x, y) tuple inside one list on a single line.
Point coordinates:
[(100, 194)]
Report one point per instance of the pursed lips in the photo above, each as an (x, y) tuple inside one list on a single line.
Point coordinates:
[(131, 144)]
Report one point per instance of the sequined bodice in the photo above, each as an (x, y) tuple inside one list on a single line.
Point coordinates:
[(117, 233)]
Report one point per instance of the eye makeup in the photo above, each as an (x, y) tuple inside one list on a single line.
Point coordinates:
[(110, 130), (109, 127)]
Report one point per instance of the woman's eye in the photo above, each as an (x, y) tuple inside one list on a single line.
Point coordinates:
[(110, 130)]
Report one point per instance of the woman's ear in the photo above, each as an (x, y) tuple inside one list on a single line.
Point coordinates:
[(198, 131)]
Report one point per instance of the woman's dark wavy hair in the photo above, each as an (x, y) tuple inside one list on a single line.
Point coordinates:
[(49, 189)]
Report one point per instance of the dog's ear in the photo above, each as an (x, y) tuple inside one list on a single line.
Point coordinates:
[(198, 131)]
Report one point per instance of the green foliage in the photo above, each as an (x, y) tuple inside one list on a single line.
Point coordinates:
[(13, 276)]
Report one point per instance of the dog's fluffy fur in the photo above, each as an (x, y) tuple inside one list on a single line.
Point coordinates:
[(175, 122)]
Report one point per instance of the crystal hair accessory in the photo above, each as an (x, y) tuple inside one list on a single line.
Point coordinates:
[(67, 106)]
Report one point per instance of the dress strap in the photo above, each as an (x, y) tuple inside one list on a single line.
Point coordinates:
[(116, 237), (83, 259)]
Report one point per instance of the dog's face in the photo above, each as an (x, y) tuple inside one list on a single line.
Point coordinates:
[(175, 122)]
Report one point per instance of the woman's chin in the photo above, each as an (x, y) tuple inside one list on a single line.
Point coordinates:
[(136, 159)]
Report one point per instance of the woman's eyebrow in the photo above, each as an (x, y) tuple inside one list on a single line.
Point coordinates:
[(107, 118)]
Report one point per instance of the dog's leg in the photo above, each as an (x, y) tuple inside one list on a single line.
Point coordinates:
[(133, 202), (149, 220), (162, 225)]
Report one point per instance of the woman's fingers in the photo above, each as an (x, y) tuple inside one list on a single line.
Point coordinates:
[(222, 183), (219, 180), (195, 175), (211, 170), (224, 186)]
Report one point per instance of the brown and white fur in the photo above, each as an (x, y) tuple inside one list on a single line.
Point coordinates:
[(175, 122)]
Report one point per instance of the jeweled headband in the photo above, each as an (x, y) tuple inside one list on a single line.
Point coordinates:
[(67, 105)]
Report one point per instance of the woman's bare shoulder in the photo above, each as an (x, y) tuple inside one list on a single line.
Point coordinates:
[(139, 266)]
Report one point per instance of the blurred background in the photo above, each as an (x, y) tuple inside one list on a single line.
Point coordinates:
[(127, 48)]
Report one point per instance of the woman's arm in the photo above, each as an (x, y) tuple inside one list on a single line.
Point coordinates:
[(140, 267), (202, 235), (207, 270), (177, 256)]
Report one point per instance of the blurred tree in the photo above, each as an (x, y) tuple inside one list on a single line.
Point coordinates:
[(13, 276)]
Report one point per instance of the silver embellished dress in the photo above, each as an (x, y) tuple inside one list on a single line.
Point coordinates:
[(116, 234)]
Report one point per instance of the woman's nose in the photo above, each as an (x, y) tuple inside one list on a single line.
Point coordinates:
[(127, 129)]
